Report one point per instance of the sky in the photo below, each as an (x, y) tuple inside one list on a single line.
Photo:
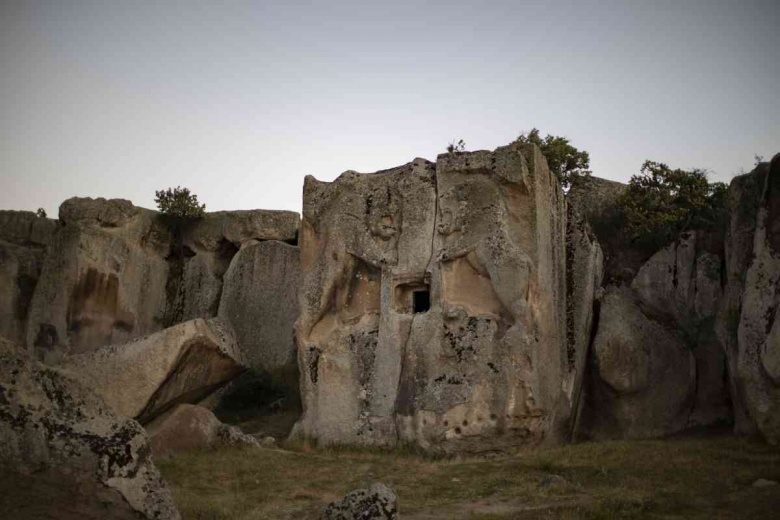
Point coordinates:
[(239, 101)]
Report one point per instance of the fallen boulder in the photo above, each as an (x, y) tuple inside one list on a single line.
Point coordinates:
[(188, 427), (378, 502), (146, 377), (64, 454)]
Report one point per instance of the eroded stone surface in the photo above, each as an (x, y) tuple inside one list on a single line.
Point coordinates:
[(103, 279), (260, 300), (642, 374), (23, 241), (433, 304), (64, 454), (181, 364)]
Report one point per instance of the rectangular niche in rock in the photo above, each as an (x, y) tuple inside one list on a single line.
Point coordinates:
[(412, 294)]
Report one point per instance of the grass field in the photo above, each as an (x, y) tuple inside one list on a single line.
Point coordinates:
[(686, 477)]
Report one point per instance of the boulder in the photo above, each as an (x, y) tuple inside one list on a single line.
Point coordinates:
[(208, 246), (642, 375), (377, 502), (181, 364), (23, 240), (260, 300), (65, 455), (188, 427), (103, 280), (433, 304)]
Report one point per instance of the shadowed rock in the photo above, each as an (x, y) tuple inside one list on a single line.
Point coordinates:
[(65, 455), (188, 427), (181, 364)]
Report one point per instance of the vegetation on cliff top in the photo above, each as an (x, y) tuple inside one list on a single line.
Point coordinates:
[(564, 160)]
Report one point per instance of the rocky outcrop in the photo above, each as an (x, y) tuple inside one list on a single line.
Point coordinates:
[(643, 375), (65, 455), (23, 240), (188, 427), (207, 249), (748, 323), (377, 502), (260, 299), (111, 272), (146, 377), (103, 280), (433, 305)]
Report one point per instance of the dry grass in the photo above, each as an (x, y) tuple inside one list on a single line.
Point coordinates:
[(673, 478)]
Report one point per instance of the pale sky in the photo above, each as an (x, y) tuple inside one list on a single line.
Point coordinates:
[(240, 100)]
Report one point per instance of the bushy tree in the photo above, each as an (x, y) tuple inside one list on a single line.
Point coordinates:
[(41, 213), (564, 160), (179, 203), (660, 203)]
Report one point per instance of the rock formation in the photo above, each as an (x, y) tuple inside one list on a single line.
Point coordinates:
[(103, 280), (146, 377), (433, 305), (188, 427), (748, 322), (23, 241), (65, 455), (111, 272), (260, 299)]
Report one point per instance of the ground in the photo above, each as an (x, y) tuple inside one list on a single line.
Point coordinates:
[(684, 477)]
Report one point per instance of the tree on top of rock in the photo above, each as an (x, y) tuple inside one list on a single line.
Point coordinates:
[(179, 203), (660, 203), (564, 160)]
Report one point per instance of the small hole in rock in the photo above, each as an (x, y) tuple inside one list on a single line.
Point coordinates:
[(421, 301)]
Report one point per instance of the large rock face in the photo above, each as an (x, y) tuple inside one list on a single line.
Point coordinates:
[(65, 455), (103, 280), (433, 306), (748, 323), (260, 299), (209, 246), (114, 272), (146, 377), (23, 241)]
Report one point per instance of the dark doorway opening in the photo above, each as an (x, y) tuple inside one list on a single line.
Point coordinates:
[(421, 301)]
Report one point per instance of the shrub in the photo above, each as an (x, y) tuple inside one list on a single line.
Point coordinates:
[(41, 213), (179, 203), (564, 160), (660, 203), (458, 147)]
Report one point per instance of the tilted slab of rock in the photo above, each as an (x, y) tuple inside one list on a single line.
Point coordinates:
[(260, 300), (23, 240), (642, 380), (103, 279), (433, 304), (65, 455), (181, 364), (187, 427)]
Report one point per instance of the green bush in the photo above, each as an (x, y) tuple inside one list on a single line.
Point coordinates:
[(179, 203), (660, 203), (564, 160)]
